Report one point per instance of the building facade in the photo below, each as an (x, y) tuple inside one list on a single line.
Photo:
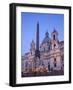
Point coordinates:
[(46, 57)]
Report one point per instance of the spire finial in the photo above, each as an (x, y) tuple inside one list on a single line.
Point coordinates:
[(47, 34)]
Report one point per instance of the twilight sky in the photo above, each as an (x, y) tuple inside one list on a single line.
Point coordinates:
[(47, 22)]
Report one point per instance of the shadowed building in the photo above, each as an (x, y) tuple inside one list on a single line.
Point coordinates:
[(46, 58)]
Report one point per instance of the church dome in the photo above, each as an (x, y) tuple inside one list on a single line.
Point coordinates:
[(46, 39)]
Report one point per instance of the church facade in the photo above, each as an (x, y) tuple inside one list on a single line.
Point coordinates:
[(47, 57)]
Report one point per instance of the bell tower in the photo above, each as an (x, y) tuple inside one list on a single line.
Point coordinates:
[(54, 36), (32, 48)]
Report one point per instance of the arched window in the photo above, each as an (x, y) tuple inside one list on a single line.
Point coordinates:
[(55, 64), (26, 66), (62, 60), (49, 66), (49, 47), (54, 59), (54, 45), (54, 37)]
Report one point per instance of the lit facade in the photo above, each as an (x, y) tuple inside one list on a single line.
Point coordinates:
[(46, 57)]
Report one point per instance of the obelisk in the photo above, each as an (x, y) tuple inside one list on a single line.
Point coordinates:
[(37, 52)]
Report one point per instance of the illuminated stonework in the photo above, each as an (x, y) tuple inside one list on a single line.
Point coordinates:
[(51, 55)]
